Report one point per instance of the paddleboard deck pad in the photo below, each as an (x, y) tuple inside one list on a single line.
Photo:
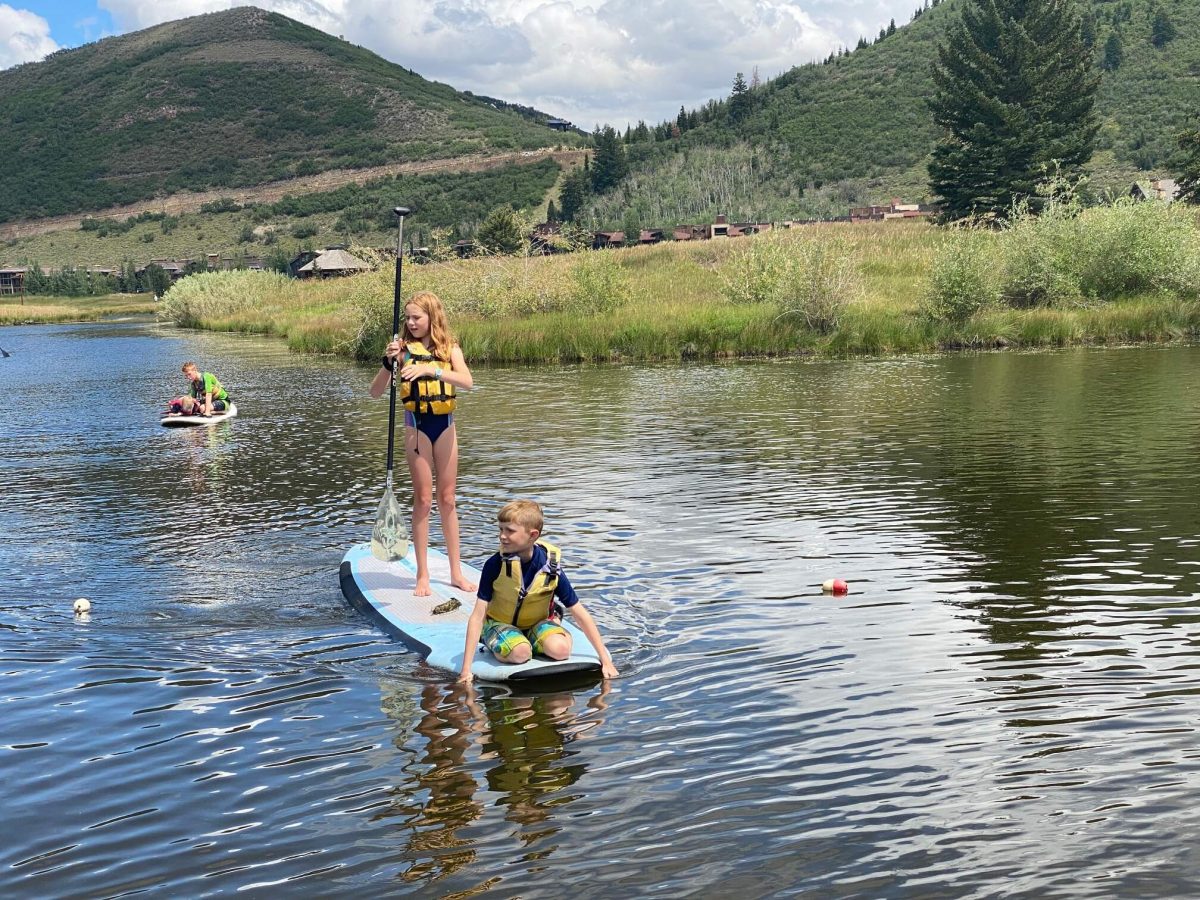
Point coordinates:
[(181, 421), (436, 626)]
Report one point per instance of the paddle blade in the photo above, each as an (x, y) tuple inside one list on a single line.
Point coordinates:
[(389, 536)]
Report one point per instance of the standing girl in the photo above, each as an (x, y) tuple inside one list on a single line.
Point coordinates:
[(432, 367)]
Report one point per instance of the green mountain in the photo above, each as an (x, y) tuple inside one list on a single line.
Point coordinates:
[(223, 100), (856, 128)]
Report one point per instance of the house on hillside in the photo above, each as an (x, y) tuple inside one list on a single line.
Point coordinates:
[(896, 209), (744, 229), (301, 259), (332, 264), (604, 239), (546, 239), (1164, 189), (12, 280), (558, 124), (175, 268)]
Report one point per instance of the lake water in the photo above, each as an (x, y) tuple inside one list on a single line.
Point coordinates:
[(1004, 704)]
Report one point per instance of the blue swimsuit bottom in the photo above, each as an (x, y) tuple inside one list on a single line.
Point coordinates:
[(429, 424)]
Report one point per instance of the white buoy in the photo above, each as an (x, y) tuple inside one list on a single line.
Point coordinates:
[(83, 606)]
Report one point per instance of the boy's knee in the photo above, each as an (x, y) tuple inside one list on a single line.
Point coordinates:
[(556, 646), (519, 654)]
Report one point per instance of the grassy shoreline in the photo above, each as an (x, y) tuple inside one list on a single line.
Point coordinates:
[(676, 301), (59, 310)]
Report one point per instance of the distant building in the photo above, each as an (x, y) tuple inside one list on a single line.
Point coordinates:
[(332, 264), (12, 280), (651, 236), (897, 209), (604, 239), (558, 124), (1164, 189)]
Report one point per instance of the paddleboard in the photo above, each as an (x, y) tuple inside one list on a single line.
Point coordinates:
[(181, 421), (435, 626)]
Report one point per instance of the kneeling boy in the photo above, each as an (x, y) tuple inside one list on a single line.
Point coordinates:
[(522, 595)]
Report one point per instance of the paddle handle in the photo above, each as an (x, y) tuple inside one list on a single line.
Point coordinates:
[(395, 337)]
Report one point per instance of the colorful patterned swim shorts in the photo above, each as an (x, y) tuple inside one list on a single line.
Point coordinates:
[(502, 639)]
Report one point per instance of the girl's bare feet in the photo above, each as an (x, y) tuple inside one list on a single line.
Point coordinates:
[(462, 583), (422, 588)]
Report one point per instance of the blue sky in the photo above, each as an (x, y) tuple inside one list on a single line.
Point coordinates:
[(591, 61)]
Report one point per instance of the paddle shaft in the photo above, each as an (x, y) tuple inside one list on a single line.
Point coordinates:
[(395, 337)]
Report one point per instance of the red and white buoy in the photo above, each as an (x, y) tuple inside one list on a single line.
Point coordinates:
[(835, 586)]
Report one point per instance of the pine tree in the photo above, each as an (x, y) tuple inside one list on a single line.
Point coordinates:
[(739, 100), (1014, 96), (1114, 52), (551, 213), (1162, 29), (573, 195), (502, 231), (1189, 173), (611, 164)]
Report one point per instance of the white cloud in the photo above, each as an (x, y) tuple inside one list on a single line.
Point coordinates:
[(24, 37), (591, 61)]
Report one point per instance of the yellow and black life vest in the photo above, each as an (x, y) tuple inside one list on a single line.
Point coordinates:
[(517, 605), (426, 394)]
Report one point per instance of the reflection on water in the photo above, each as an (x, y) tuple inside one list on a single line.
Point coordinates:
[(522, 744), (1002, 704)]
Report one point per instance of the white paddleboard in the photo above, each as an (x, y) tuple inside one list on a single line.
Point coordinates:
[(384, 591), (181, 421)]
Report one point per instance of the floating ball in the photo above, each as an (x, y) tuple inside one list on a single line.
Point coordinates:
[(83, 605), (835, 586)]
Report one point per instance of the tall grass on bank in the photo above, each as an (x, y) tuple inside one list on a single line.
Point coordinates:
[(808, 275), (44, 310), (1067, 258), (1116, 274)]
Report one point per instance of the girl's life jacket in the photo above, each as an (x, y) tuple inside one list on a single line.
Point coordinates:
[(426, 394), (524, 607)]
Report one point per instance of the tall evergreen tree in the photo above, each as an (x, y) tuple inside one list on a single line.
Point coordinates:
[(573, 195), (1014, 95), (1162, 29), (1114, 52), (611, 163), (1189, 173), (739, 100)]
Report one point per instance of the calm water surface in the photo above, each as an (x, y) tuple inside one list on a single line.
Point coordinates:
[(1005, 704)]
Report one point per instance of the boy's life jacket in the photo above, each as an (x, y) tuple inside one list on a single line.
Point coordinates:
[(524, 607), (426, 394), (207, 384)]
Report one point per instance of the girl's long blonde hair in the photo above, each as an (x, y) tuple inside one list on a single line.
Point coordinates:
[(440, 336)]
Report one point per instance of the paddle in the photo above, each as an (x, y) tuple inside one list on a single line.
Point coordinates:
[(389, 537)]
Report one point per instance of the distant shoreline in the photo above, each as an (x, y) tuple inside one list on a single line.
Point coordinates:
[(38, 310), (674, 301)]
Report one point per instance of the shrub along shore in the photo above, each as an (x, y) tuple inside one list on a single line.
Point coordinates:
[(1118, 274)]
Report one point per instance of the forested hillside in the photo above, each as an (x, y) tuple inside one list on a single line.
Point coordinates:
[(226, 99), (856, 127)]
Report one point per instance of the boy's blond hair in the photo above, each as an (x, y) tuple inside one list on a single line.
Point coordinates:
[(525, 513), (189, 365)]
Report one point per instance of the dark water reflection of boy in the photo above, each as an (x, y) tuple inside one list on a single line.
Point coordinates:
[(526, 739)]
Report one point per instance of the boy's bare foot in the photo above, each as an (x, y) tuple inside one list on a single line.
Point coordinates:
[(463, 584), (422, 588)]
